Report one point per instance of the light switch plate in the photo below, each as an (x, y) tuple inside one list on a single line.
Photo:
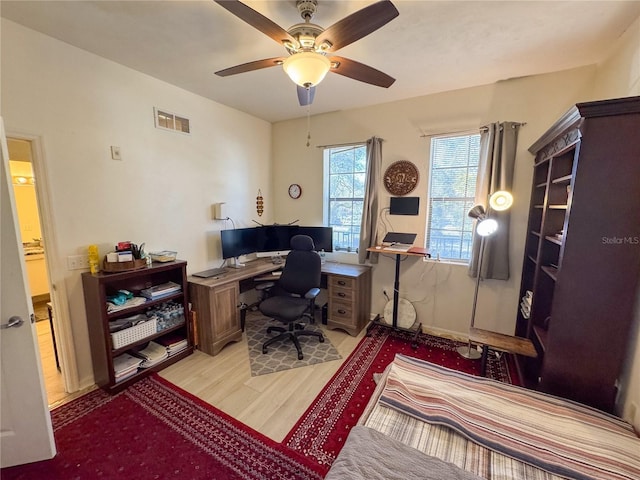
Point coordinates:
[(78, 262), (115, 153)]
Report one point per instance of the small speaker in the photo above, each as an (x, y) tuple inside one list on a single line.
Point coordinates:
[(220, 211)]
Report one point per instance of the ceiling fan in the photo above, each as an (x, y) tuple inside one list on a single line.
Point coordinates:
[(311, 47)]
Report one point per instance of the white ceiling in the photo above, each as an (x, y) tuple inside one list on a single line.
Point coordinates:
[(432, 46)]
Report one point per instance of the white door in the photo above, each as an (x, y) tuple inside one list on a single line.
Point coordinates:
[(26, 434)]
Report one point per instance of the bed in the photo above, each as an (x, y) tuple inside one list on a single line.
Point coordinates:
[(423, 417)]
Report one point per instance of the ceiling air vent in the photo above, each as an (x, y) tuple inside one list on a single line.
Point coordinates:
[(170, 121)]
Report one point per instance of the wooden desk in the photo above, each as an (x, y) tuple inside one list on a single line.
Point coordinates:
[(414, 252), (216, 300)]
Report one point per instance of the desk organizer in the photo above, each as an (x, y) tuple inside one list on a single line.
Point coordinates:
[(133, 334), (117, 267)]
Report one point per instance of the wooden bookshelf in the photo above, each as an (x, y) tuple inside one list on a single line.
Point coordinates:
[(585, 191)]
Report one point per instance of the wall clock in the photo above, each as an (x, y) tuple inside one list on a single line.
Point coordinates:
[(295, 190), (401, 177)]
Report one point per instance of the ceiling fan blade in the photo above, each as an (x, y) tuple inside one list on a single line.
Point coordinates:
[(360, 71), (250, 66), (358, 24), (306, 95), (257, 20)]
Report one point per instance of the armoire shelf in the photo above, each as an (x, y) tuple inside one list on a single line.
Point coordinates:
[(97, 287), (582, 258)]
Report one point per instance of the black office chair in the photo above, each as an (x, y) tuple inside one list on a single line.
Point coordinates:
[(293, 296)]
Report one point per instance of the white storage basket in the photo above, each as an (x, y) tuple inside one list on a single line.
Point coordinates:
[(133, 334)]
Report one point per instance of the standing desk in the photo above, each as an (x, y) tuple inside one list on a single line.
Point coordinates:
[(412, 252)]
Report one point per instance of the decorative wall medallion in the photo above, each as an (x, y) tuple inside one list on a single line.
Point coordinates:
[(401, 177), (259, 203)]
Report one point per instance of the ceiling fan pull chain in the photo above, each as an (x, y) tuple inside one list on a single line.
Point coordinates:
[(308, 118)]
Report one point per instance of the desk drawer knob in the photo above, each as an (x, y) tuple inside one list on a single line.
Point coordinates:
[(341, 311), (342, 282), (342, 295)]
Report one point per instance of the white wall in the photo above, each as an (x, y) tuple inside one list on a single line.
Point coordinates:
[(442, 293), (161, 192)]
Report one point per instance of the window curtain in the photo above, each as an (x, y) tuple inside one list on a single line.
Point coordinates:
[(369, 222), (498, 144)]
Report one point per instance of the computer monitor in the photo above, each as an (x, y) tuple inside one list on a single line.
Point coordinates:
[(271, 240), (274, 240), (322, 237), (404, 205), (238, 241)]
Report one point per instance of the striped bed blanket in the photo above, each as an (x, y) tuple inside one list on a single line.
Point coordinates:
[(557, 436)]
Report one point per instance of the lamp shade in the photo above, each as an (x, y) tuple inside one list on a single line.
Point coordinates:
[(487, 227), (501, 200), (306, 69), (477, 212)]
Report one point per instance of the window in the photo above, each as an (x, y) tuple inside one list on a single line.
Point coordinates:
[(452, 189), (345, 169)]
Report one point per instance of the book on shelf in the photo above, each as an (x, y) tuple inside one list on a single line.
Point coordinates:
[(132, 302), (174, 343), (125, 366), (153, 354), (158, 291)]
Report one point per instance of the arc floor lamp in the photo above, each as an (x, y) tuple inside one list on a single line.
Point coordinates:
[(485, 227)]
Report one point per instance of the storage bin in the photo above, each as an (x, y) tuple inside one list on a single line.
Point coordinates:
[(133, 334)]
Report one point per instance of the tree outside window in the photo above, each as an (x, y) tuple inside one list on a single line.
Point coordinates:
[(345, 171), (452, 190)]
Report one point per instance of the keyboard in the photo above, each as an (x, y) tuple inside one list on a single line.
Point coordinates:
[(398, 248), (211, 273)]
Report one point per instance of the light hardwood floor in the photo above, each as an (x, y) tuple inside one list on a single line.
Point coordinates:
[(270, 404), (54, 384), (52, 377)]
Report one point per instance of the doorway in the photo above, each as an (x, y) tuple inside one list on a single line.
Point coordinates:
[(35, 251)]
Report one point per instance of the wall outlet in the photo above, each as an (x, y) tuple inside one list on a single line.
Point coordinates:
[(78, 262)]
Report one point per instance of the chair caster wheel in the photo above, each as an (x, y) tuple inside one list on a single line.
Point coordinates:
[(321, 339), (264, 350), (300, 356)]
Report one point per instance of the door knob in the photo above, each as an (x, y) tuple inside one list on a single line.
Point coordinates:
[(13, 322)]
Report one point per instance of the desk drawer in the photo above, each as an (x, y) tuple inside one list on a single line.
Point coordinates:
[(336, 281), (342, 295), (341, 312)]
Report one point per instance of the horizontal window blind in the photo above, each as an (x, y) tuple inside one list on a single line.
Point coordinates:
[(452, 189)]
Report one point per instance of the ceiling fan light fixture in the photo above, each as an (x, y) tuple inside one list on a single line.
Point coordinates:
[(306, 69)]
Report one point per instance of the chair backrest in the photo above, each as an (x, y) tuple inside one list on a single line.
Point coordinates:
[(302, 268)]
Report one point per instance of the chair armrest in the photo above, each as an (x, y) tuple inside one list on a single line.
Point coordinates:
[(312, 294)]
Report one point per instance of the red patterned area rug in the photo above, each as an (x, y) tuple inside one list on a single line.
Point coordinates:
[(322, 430), (154, 430)]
